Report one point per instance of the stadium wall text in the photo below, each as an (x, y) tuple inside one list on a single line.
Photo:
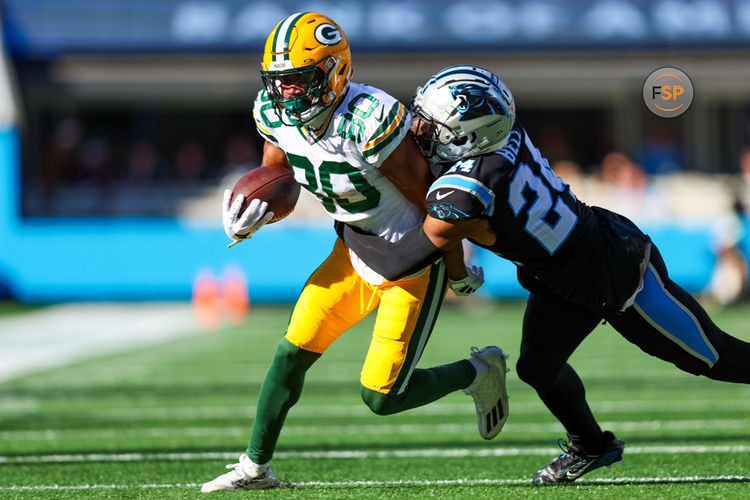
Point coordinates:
[(48, 27)]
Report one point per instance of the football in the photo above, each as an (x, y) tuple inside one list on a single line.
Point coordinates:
[(272, 184)]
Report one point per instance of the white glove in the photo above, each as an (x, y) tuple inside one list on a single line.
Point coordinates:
[(471, 283), (241, 227)]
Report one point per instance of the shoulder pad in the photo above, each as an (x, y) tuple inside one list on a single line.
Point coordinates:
[(379, 121), (513, 146)]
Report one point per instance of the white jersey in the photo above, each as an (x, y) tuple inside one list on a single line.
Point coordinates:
[(340, 165)]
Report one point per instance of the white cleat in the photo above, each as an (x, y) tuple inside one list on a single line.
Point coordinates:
[(246, 475), (489, 391)]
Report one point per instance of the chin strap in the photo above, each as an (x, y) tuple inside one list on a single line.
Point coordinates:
[(331, 95)]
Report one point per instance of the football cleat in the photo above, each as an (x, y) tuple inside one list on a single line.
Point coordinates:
[(245, 475), (489, 392), (575, 462)]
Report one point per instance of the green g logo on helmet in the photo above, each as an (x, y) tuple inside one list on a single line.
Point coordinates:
[(328, 34)]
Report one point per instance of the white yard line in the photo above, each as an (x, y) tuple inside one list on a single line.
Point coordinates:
[(60, 335), (354, 430), (406, 482), (355, 454), (127, 414)]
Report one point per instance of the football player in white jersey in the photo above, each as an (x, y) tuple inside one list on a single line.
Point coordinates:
[(349, 145)]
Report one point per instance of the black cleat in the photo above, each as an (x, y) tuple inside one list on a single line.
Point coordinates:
[(575, 462)]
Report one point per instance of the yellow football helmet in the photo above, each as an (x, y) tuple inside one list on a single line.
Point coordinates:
[(311, 51)]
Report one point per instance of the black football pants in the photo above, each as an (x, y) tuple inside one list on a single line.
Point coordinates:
[(665, 321)]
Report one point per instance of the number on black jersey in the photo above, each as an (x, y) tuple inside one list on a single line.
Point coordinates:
[(548, 188)]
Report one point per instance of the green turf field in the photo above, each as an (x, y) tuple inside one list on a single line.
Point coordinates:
[(157, 422)]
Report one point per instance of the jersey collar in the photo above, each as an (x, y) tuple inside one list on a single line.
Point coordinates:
[(313, 134)]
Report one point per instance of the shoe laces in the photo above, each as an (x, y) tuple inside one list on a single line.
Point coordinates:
[(237, 472), (242, 468), (569, 460)]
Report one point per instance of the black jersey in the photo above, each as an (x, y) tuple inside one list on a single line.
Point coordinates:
[(539, 223), (554, 238)]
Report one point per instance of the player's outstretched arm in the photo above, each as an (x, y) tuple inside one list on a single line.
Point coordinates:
[(418, 248)]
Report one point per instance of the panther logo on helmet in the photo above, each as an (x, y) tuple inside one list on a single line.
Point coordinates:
[(475, 101), (462, 111)]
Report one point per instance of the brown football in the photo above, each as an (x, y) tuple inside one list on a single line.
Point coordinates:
[(274, 185)]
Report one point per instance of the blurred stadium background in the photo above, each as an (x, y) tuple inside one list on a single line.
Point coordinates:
[(123, 120)]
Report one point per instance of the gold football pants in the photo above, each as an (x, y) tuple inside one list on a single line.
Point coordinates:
[(335, 298)]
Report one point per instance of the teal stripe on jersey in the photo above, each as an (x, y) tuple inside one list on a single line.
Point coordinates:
[(469, 185)]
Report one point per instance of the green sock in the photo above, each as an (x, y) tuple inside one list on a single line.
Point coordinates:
[(280, 391), (425, 386)]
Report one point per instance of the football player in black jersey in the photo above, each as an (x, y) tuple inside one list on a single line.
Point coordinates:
[(581, 264)]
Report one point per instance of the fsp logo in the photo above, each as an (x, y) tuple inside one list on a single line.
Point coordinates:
[(668, 92)]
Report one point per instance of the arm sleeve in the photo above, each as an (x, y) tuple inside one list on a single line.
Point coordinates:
[(413, 252)]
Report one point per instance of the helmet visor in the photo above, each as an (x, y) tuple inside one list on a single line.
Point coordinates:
[(295, 90), (427, 132)]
